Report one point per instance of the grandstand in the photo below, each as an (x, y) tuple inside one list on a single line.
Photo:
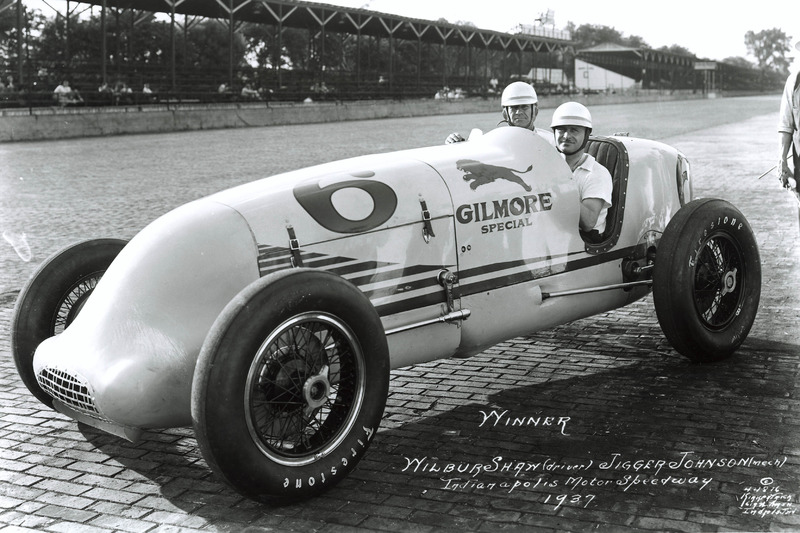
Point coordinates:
[(352, 51), (351, 54)]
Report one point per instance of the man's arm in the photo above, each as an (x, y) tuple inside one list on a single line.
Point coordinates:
[(783, 165), (590, 210), (786, 127)]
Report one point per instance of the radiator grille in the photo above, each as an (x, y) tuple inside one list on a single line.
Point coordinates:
[(70, 389)]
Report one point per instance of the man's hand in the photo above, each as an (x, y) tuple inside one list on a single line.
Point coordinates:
[(785, 174), (454, 138)]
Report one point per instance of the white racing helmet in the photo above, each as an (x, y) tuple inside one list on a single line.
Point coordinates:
[(518, 93), (572, 114)]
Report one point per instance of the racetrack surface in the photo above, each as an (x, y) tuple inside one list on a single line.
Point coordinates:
[(726, 433)]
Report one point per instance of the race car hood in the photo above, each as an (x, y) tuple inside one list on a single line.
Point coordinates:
[(133, 347)]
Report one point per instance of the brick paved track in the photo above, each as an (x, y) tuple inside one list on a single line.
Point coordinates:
[(444, 459)]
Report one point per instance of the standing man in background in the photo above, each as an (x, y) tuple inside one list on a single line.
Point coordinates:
[(789, 128)]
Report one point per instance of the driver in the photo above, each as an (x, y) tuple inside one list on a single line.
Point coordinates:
[(572, 125), (520, 107)]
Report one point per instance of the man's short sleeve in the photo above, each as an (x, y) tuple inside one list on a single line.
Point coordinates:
[(789, 108), (599, 185)]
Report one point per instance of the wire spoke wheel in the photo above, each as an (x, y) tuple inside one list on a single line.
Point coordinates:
[(53, 298), (719, 281), (707, 280), (72, 302), (305, 388), (290, 385)]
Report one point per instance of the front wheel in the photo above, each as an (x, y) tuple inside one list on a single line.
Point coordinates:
[(290, 385), (53, 297), (707, 280)]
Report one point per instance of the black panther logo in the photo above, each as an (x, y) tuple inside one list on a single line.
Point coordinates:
[(480, 173)]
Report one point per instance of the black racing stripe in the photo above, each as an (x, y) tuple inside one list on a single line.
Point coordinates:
[(466, 288), (278, 261), (273, 258), (399, 273), (278, 258), (324, 261), (400, 306), (506, 265), (266, 251), (365, 266), (401, 288)]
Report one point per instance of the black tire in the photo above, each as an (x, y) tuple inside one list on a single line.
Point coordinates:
[(53, 297), (707, 280), (290, 385)]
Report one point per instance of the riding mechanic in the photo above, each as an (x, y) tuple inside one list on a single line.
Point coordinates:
[(520, 107)]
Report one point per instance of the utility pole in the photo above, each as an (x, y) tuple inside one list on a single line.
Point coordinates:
[(20, 70)]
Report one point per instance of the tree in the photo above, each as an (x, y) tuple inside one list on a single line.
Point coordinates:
[(131, 48), (676, 49), (589, 35), (769, 47), (738, 61), (8, 36)]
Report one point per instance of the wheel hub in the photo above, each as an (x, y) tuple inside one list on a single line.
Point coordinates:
[(316, 389), (729, 282)]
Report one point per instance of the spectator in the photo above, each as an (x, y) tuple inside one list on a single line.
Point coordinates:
[(66, 96), (223, 93), (248, 93), (147, 93), (62, 93), (572, 125), (122, 94), (106, 94)]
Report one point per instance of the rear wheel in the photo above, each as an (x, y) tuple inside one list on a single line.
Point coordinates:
[(53, 297), (290, 385), (707, 280)]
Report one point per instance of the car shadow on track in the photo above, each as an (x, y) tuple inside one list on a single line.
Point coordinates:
[(530, 451), (570, 439)]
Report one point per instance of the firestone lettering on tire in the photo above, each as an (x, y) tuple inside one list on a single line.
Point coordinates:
[(721, 222), (310, 481)]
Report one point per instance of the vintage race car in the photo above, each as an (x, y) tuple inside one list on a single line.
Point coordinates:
[(269, 316)]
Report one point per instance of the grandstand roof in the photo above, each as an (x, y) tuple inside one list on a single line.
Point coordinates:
[(299, 14), (635, 62)]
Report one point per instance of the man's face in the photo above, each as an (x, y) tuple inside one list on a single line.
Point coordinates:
[(522, 116), (569, 139)]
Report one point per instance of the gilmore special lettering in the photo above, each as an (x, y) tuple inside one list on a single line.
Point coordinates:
[(504, 208)]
